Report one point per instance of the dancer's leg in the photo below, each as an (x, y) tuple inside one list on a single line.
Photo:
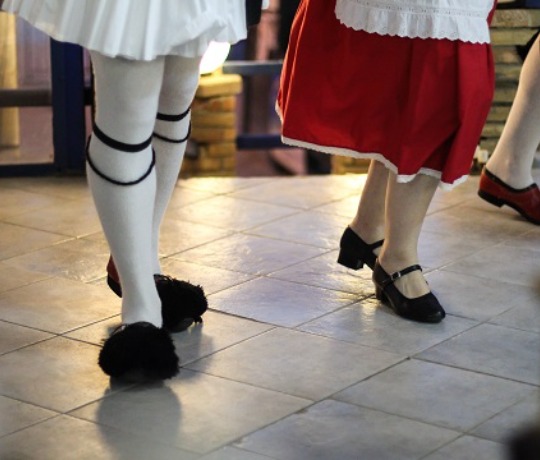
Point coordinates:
[(172, 127), (127, 95), (513, 156), (406, 208), (369, 220)]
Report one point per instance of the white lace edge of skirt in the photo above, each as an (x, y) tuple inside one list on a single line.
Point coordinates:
[(401, 178), (407, 24)]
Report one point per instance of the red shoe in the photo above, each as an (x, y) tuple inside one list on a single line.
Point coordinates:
[(526, 201)]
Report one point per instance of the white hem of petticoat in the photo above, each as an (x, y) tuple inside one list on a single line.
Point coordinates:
[(408, 23), (401, 178)]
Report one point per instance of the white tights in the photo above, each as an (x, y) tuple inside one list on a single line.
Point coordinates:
[(129, 94)]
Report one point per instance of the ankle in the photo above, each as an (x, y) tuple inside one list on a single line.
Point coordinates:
[(513, 173), (369, 233), (392, 263)]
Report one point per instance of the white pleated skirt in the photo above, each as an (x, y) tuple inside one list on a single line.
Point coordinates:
[(136, 29)]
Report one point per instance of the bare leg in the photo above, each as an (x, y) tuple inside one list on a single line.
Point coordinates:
[(368, 223), (406, 208), (514, 155)]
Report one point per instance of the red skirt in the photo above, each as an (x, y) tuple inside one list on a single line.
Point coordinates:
[(417, 105)]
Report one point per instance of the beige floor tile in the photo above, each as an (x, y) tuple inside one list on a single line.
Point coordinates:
[(196, 412), (468, 447), (217, 332), (14, 202), (58, 374), (13, 278), (492, 349), (178, 235), (436, 250), (18, 240), (297, 363), (70, 218), (346, 207), (17, 415), (299, 193), (324, 271), (249, 254), (222, 185), (67, 438), (420, 390), (233, 453), (500, 263), (232, 214), (310, 228), (279, 302), (211, 279), (97, 332), (332, 430), (478, 298), (72, 188), (13, 337), (509, 421), (368, 323), (524, 316), (58, 305), (78, 259)]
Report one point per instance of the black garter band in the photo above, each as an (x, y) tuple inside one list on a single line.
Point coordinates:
[(117, 145), (164, 117)]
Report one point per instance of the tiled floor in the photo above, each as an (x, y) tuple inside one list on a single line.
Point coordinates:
[(295, 359)]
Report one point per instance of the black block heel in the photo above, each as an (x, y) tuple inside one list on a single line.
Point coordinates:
[(424, 309), (355, 252), (349, 261)]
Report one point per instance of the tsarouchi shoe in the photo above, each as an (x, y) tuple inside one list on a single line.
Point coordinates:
[(526, 201), (139, 352), (182, 303)]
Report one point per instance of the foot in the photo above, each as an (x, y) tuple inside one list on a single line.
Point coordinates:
[(424, 308), (354, 251), (526, 201), (182, 303), (139, 352)]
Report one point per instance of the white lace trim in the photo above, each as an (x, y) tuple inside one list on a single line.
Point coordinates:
[(464, 20), (401, 178)]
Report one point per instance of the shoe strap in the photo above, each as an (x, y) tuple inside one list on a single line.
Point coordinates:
[(396, 275), (375, 245)]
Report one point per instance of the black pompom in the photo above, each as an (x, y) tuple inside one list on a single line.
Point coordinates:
[(139, 351), (182, 303)]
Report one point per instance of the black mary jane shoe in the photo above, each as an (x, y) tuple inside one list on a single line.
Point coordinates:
[(355, 252), (424, 309), (139, 352), (182, 303)]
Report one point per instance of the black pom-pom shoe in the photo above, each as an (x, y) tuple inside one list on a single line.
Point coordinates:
[(355, 252), (424, 309), (139, 352), (182, 303)]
